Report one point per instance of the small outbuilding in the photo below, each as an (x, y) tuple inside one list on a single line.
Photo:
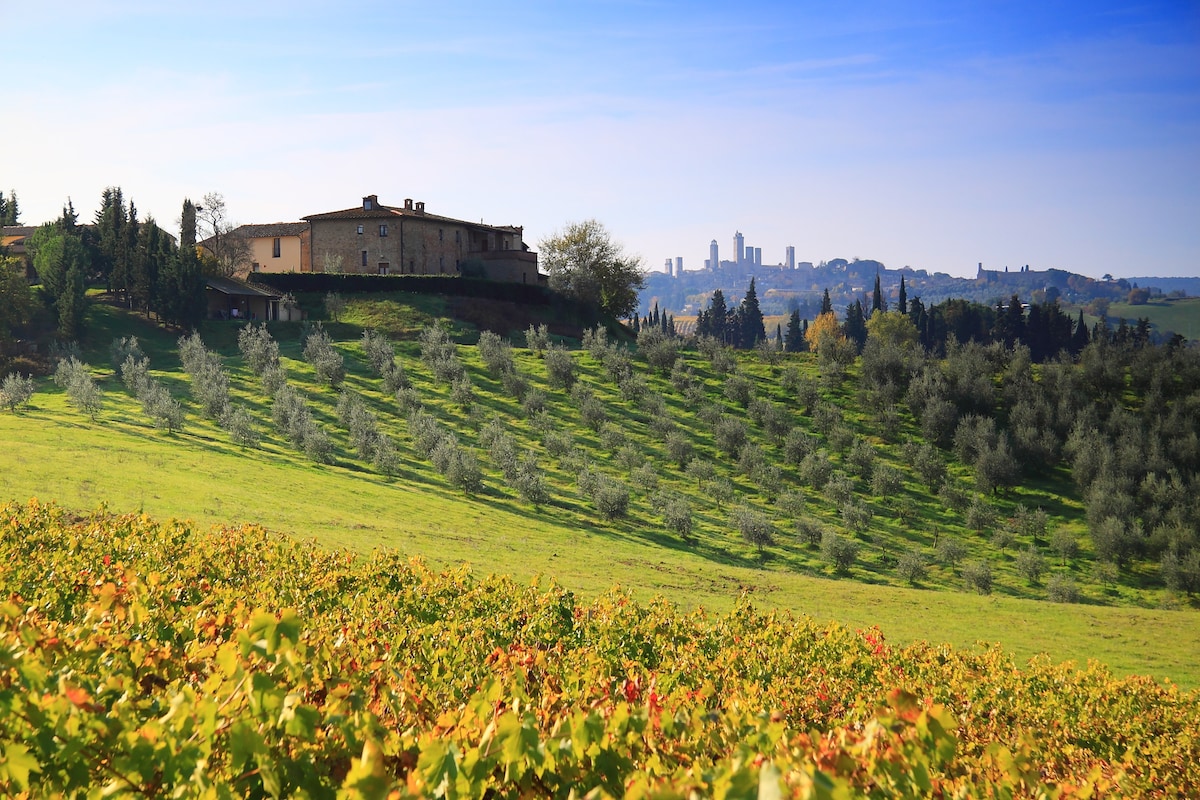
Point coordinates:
[(231, 299)]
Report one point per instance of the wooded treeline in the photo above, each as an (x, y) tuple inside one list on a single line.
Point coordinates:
[(136, 260)]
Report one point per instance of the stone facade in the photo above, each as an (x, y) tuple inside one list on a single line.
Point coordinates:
[(378, 239)]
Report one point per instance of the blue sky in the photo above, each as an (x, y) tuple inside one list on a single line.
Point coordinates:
[(933, 134)]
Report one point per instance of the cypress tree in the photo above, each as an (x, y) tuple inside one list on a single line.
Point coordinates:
[(1079, 339), (826, 304), (877, 303), (792, 341), (718, 316), (902, 300), (752, 329), (856, 324)]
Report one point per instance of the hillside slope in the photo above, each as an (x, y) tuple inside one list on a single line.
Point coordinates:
[(615, 433)]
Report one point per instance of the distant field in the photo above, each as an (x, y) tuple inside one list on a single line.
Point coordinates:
[(1181, 316), (55, 453)]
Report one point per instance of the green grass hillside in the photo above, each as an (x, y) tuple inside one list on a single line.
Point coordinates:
[(54, 452)]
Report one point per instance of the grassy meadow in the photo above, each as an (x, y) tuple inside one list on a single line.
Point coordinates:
[(54, 452)]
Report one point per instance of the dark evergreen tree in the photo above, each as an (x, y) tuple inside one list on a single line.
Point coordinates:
[(792, 341), (718, 317), (902, 300), (10, 213), (187, 226), (877, 303), (109, 241), (1079, 339), (637, 323), (1010, 323), (855, 325), (752, 328), (826, 303)]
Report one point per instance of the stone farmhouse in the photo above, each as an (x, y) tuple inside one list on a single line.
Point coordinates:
[(377, 239)]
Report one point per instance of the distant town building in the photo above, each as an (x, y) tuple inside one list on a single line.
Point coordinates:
[(678, 266), (739, 248), (714, 260), (668, 267), (758, 256), (789, 258)]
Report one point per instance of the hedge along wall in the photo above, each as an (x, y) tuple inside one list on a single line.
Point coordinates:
[(320, 282)]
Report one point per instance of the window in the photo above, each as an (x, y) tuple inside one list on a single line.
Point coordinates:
[(254, 267), (383, 230), (383, 268), (441, 237), (275, 248), (364, 258), (458, 237), (360, 230)]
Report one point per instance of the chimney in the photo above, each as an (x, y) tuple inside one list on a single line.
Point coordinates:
[(408, 204), (421, 207), (370, 202)]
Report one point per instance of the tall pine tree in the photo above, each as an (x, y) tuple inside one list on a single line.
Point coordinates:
[(752, 330), (902, 300)]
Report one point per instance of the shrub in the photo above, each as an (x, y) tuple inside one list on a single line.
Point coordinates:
[(1064, 543), (950, 551), (911, 567), (816, 469), (610, 497), (797, 444), (379, 351), (838, 550), (754, 526), (729, 435), (861, 458), (240, 425), (123, 348), (515, 384), (530, 481), (738, 389), (335, 305), (592, 412), (886, 481), (660, 350), (164, 411), (325, 360), (534, 403), (679, 448), (560, 367), (440, 354), (1062, 589), (977, 575), (857, 516), (839, 489), (1030, 564), (537, 339), (677, 516), (259, 351), (810, 531), (135, 374), (15, 391), (702, 470), (273, 379), (463, 391), (82, 390), (496, 354), (385, 459)]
